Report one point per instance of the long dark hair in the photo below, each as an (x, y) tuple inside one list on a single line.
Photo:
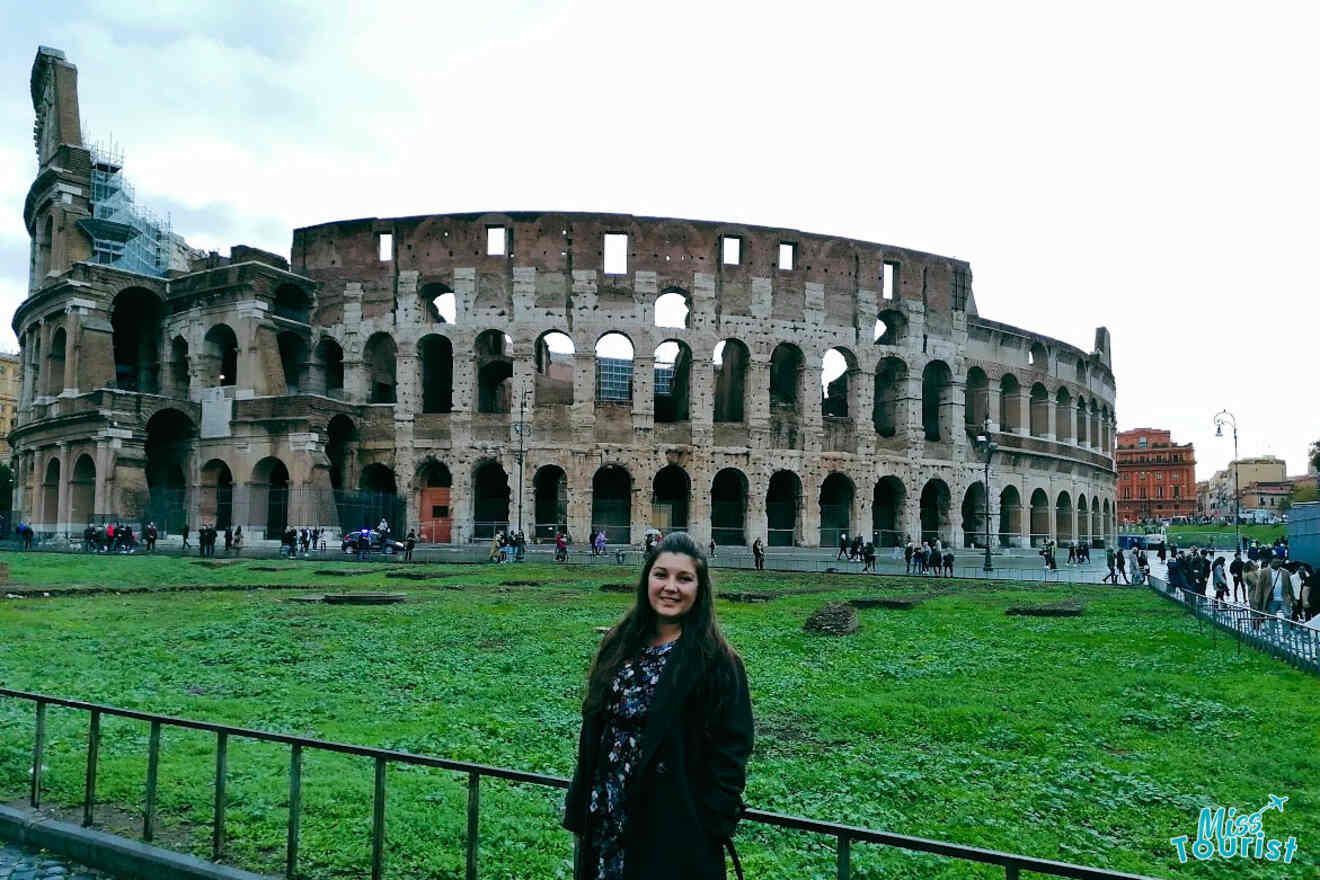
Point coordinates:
[(701, 631)]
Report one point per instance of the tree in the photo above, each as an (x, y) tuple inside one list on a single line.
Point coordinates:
[(1302, 494), (1313, 456), (6, 487)]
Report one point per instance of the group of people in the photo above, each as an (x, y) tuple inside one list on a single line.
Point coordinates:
[(1120, 561), (508, 546), (117, 537), (292, 539), (208, 534), (1272, 586), (930, 557)]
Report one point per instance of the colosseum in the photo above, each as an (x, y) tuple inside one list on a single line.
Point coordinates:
[(468, 373)]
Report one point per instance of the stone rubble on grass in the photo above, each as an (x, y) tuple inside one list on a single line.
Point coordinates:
[(835, 619)]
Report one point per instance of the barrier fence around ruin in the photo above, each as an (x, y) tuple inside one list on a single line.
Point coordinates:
[(1297, 644), (844, 835)]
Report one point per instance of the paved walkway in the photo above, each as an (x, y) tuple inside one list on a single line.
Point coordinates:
[(20, 863)]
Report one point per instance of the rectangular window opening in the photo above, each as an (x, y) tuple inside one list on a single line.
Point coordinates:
[(731, 248), (385, 246), (496, 245), (960, 288), (616, 253), (889, 280), (787, 256)]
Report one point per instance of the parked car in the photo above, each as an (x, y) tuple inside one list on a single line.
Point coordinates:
[(348, 543)]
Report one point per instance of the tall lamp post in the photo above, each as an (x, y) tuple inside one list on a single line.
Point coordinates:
[(1220, 418), (987, 447)]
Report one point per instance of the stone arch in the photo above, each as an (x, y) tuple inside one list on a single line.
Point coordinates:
[(436, 359), (976, 407), (673, 308), (671, 493), (974, 521), (1063, 416), (293, 358), (435, 517), (611, 503), (1040, 518), (216, 495), (490, 499), (82, 494), (936, 394), (1082, 433), (1010, 517), (1081, 372), (220, 350), (180, 368), (615, 360), (891, 327), (787, 374), (550, 502), (1097, 527), (1038, 356), (50, 494), (135, 317), (890, 407), (837, 494), (1063, 517), (378, 498), (341, 435), (728, 507), (171, 437), (1040, 410), (556, 366), (839, 395), (1010, 403), (329, 365), (935, 502), (783, 509), (731, 359), (439, 303), (379, 358), (673, 381), (55, 363), (886, 511), (1095, 436), (268, 503), (1083, 521)]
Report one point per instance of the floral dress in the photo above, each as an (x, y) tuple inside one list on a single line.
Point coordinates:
[(631, 693)]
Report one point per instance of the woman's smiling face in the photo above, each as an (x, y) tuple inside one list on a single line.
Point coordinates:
[(672, 586)]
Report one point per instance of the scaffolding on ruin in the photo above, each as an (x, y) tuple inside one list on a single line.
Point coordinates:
[(124, 234)]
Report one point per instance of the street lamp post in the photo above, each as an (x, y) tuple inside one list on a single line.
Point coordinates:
[(987, 446), (1220, 418)]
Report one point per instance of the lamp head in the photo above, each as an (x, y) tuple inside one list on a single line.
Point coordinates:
[(1219, 429)]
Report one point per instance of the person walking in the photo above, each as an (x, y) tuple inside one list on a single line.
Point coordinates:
[(183, 532), (229, 538), (561, 547), (1235, 569), (238, 540), (908, 551), (1112, 577), (1121, 563), (843, 545), (1220, 579), (868, 557), (666, 731)]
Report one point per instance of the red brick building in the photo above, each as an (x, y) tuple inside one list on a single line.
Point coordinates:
[(1156, 477)]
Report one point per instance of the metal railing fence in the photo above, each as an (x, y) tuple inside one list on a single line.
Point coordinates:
[(844, 835)]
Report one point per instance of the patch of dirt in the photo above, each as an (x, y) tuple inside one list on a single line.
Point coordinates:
[(835, 619), (272, 568), (898, 603), (748, 596), (27, 592), (617, 588), (520, 583), (170, 832), (335, 572), (1055, 609)]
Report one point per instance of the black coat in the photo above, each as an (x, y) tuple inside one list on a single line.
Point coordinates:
[(685, 796)]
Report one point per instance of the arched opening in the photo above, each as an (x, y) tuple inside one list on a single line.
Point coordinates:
[(890, 328), (1083, 521), (1010, 517), (216, 504), (378, 495), (550, 486), (890, 409), (439, 303), (783, 510), (293, 358), (341, 449), (728, 507), (673, 373), (976, 407), (433, 505), (555, 368), (220, 348), (270, 496), (838, 377), (180, 368), (935, 500), (330, 365), (1040, 518), (378, 359), (45, 240), (170, 439), (82, 491), (437, 361), (1040, 410), (614, 369), (669, 499), (294, 303), (1063, 518), (611, 503), (50, 495), (936, 395), (494, 366), (1081, 372), (1108, 521), (1082, 434), (1010, 404), (975, 525), (1037, 356), (1063, 416), (672, 309), (1095, 424), (836, 504), (490, 500), (730, 360), (55, 364), (135, 325), (886, 506), (1106, 431), (787, 368), (1097, 533)]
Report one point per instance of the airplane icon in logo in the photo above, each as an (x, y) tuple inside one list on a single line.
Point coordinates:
[(1276, 803)]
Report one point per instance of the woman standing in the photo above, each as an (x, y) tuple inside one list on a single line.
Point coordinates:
[(666, 732), (758, 554)]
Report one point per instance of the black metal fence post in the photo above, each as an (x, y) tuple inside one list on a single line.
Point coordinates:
[(378, 824), (38, 746), (93, 747), (295, 811), (843, 858), (218, 817), (153, 769), (473, 823)]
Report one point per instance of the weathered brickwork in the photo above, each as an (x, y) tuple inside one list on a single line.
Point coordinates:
[(403, 355)]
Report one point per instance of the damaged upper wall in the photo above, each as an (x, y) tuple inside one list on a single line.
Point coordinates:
[(785, 274), (55, 101)]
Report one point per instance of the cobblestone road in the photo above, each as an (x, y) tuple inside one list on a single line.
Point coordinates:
[(19, 863)]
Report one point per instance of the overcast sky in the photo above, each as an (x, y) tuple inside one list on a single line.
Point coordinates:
[(1150, 167)]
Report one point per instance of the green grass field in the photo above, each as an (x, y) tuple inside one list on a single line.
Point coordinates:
[(1262, 533), (1091, 739)]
